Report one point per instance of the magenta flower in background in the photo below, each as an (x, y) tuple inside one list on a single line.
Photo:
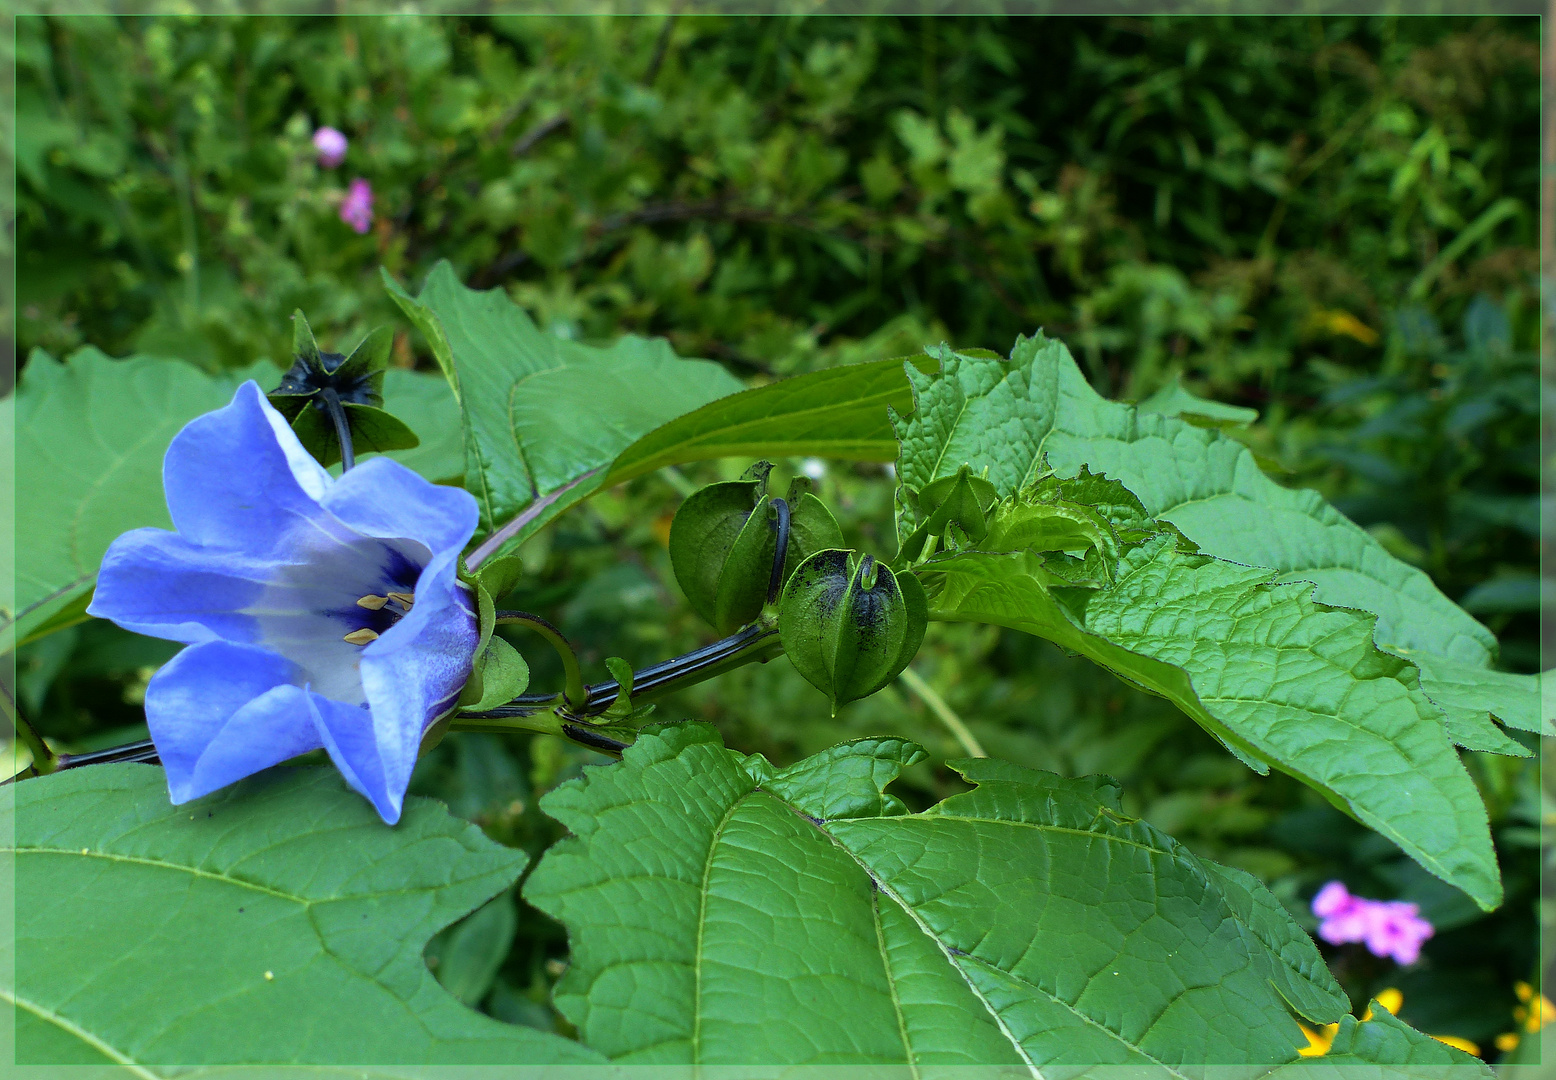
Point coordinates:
[(357, 209), (1390, 928), (1344, 916), (331, 146), (1396, 929)]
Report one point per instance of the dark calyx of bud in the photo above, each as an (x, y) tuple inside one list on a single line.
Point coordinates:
[(309, 376), (345, 393)]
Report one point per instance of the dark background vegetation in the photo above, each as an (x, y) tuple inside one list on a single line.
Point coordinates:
[(1332, 220)]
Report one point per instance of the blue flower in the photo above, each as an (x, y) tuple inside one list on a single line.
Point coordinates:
[(319, 612)]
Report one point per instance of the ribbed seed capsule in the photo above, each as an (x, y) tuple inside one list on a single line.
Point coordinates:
[(725, 545), (849, 625)]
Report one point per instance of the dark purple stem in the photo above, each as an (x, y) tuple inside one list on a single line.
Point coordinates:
[(495, 541)]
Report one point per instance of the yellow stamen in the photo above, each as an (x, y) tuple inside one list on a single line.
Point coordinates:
[(362, 636), (404, 597), (371, 602)]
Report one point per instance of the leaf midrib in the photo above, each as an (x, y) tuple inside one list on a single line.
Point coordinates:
[(161, 864), (884, 889), (702, 921), (74, 1030)]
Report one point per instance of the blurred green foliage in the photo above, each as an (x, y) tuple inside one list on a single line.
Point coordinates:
[(1331, 220)]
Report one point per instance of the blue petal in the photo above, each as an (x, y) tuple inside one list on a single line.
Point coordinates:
[(157, 583), (383, 498), (219, 712), (237, 478), (414, 673), (350, 737)]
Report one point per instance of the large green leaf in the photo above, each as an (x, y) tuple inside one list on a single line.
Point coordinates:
[(1007, 416), (544, 417), (724, 912), (277, 922), (90, 435), (834, 413), (1280, 679), (1384, 1039), (426, 403)]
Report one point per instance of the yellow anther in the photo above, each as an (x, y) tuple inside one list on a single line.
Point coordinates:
[(371, 602), (405, 598), (362, 636)]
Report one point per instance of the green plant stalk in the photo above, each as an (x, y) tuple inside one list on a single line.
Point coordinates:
[(756, 643), (943, 712), (576, 693), (540, 723), (43, 759)]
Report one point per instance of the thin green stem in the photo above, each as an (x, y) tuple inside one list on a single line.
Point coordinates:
[(540, 723), (677, 480), (43, 759), (943, 712), (577, 694), (756, 643), (337, 411)]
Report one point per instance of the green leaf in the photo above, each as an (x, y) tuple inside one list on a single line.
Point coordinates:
[(467, 956), (1277, 677), (1387, 1040), (725, 912), (1009, 416), (1174, 400), (276, 922), (544, 416), (426, 404), (501, 675), (834, 413), (372, 431), (90, 436)]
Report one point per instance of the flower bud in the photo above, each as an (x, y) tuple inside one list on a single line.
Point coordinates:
[(733, 546), (953, 507), (849, 624)]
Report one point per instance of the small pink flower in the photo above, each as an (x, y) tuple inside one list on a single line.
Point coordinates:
[(1332, 899), (1387, 927), (1396, 929), (357, 209), (331, 146)]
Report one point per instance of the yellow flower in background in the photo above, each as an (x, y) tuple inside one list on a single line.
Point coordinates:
[(1391, 999), (1536, 1011), (1463, 1044), (1320, 1039), (1342, 324)]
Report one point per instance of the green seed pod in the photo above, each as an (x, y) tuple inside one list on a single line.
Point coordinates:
[(956, 507), (849, 624), (725, 545)]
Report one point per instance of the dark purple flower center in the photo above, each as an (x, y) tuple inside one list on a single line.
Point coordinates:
[(397, 581)]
